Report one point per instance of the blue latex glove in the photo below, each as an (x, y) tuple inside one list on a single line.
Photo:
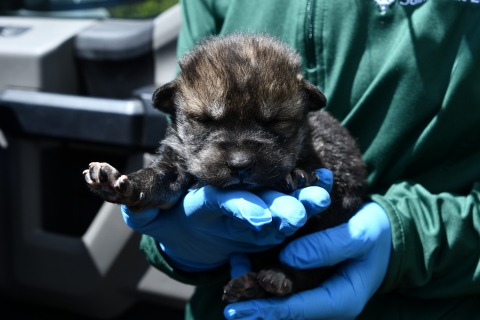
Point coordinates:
[(202, 231), (362, 246)]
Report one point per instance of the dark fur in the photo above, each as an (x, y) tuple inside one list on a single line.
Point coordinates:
[(244, 117)]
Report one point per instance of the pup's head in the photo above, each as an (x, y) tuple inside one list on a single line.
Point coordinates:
[(239, 108)]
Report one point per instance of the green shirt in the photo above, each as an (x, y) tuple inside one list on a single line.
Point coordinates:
[(406, 83)]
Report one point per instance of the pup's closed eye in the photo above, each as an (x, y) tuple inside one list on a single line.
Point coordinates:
[(285, 128), (203, 118)]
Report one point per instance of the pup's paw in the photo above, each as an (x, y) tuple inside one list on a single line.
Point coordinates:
[(275, 281), (244, 287), (110, 185), (296, 179)]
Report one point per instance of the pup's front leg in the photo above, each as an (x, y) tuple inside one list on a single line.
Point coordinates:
[(159, 185)]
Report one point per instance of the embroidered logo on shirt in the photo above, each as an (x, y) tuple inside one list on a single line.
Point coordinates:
[(383, 4), (411, 2)]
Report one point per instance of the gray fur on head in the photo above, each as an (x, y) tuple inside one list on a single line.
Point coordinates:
[(240, 94)]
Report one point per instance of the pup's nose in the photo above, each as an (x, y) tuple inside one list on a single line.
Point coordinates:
[(240, 163)]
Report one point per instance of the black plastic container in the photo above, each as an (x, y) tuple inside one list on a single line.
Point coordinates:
[(115, 57)]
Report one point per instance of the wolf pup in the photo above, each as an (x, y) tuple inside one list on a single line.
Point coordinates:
[(243, 117)]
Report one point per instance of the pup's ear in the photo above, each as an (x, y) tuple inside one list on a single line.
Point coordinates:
[(163, 98), (316, 98)]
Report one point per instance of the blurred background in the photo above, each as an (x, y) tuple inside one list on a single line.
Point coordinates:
[(76, 79)]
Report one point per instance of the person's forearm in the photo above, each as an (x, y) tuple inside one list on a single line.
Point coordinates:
[(435, 241)]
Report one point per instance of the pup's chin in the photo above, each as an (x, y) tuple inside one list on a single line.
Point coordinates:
[(243, 186), (223, 179)]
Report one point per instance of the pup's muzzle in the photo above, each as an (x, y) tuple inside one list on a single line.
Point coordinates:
[(240, 164)]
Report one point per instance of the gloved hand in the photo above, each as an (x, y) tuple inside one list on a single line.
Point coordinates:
[(362, 246), (203, 230)]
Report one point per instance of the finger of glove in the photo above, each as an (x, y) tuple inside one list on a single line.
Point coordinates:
[(368, 228), (346, 293), (275, 308), (325, 179), (325, 248), (239, 264), (208, 203), (138, 220), (313, 199), (288, 216), (288, 213)]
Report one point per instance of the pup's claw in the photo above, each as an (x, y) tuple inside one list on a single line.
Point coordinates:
[(301, 179), (296, 179), (122, 184), (243, 287), (315, 178), (275, 282), (290, 184), (88, 179)]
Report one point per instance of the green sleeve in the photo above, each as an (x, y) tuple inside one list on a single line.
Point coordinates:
[(435, 241)]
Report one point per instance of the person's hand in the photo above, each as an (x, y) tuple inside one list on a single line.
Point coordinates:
[(361, 247), (209, 224)]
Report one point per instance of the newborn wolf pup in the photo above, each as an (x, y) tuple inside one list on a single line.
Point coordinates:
[(243, 117)]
